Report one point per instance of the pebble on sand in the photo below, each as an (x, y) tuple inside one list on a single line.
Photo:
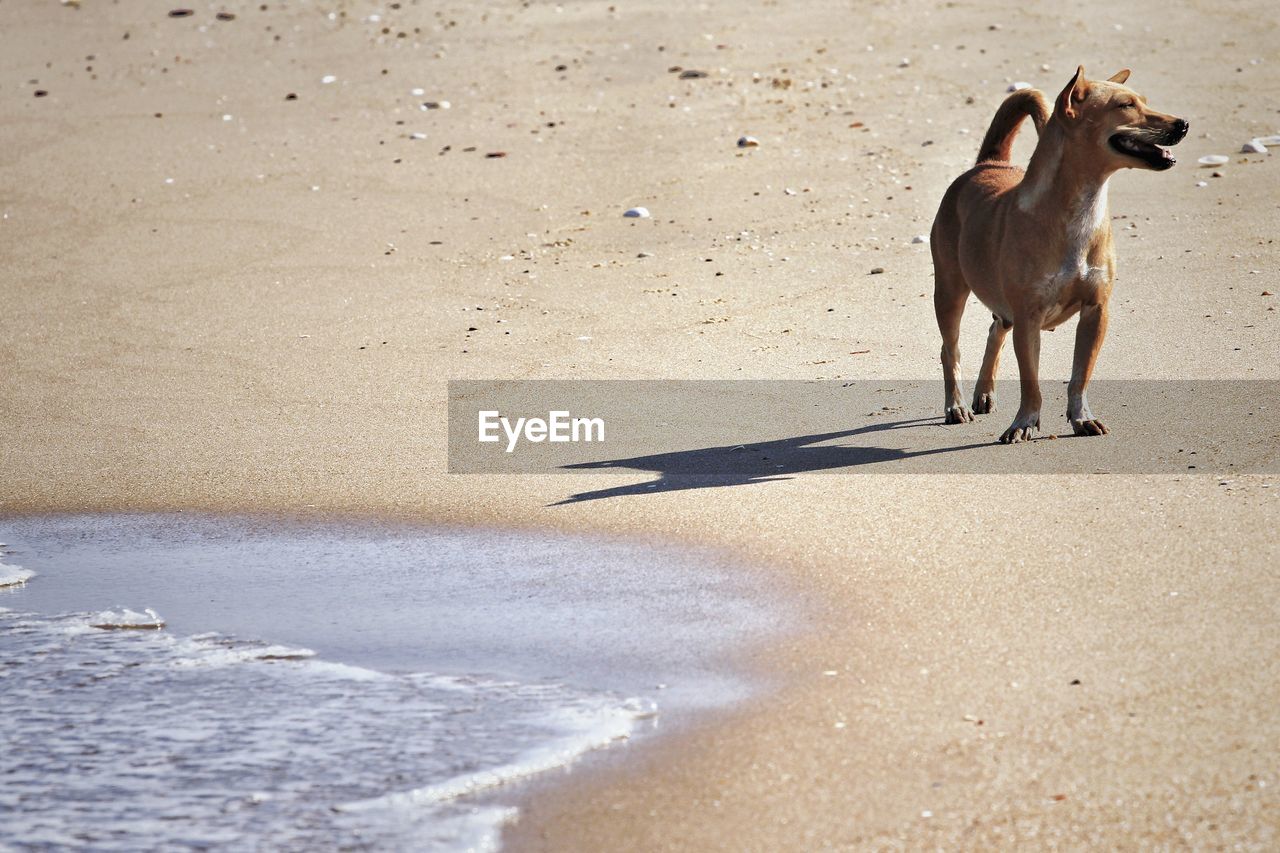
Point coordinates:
[(180, 13), (876, 270), (1253, 146), (920, 238), (748, 142), (1214, 160), (636, 213)]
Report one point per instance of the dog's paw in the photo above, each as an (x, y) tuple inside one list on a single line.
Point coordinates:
[(1092, 426), (1022, 429), (984, 403), (958, 414)]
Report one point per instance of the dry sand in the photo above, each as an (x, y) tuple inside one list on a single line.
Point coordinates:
[(250, 302)]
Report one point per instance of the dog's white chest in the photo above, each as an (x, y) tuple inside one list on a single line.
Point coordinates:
[(1088, 217)]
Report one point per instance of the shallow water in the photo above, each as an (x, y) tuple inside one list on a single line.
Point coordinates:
[(355, 685)]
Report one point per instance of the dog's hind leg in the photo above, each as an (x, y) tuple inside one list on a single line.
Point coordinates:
[(984, 392), (950, 293)]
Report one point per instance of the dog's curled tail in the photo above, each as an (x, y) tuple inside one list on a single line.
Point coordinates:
[(998, 143)]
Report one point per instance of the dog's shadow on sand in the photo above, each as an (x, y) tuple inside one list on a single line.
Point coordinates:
[(761, 462)]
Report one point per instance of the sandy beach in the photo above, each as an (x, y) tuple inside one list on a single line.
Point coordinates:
[(230, 285)]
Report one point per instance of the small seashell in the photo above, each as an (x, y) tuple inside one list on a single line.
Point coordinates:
[(905, 63), (692, 74), (1202, 183), (436, 105), (748, 142), (1214, 160), (1268, 140), (1253, 146), (920, 238), (1018, 86), (636, 213), (417, 135), (328, 78)]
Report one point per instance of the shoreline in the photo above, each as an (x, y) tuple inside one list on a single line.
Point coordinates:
[(609, 792), (148, 559)]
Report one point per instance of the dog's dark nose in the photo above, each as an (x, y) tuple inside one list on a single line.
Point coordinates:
[(1180, 127)]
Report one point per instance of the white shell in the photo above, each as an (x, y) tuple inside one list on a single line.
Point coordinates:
[(1268, 140), (1018, 86), (1214, 160), (920, 238), (748, 142), (636, 213), (1253, 146)]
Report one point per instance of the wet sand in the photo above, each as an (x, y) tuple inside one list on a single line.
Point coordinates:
[(273, 331)]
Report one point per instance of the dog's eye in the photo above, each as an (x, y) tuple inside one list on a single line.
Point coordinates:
[(1125, 106)]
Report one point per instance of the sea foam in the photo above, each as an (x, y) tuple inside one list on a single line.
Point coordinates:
[(14, 575), (124, 740)]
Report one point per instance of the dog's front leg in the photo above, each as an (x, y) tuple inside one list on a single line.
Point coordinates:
[(1026, 346), (1089, 333)]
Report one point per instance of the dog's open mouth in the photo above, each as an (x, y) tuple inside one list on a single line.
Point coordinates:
[(1149, 153)]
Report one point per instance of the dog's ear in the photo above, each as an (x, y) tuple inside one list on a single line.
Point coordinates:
[(1119, 77), (1072, 95)]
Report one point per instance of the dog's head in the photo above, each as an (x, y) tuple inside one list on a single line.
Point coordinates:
[(1114, 118)]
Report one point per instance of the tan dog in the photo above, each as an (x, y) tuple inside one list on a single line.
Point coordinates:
[(1035, 247)]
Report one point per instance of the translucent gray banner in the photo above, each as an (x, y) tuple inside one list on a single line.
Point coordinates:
[(750, 430)]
